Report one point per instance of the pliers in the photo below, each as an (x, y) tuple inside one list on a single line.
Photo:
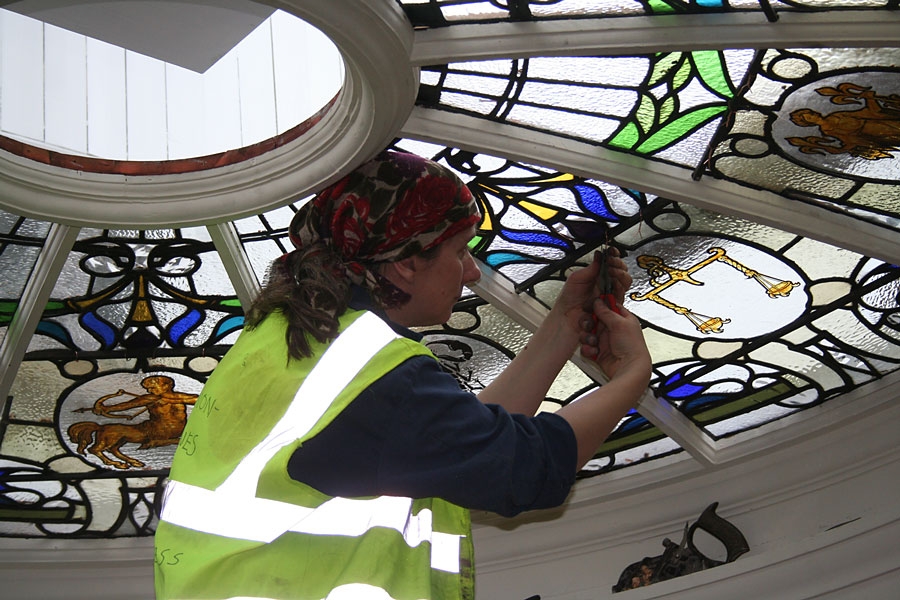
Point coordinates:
[(605, 285)]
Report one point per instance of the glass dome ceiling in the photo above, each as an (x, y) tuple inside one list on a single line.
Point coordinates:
[(744, 156)]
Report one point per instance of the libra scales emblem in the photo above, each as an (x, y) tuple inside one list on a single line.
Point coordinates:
[(663, 277)]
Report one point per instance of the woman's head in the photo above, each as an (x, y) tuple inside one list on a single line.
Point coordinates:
[(433, 281), (391, 209)]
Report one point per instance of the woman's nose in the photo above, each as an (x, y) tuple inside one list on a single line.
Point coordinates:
[(472, 273)]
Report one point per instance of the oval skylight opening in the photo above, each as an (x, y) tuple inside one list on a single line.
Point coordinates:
[(82, 96)]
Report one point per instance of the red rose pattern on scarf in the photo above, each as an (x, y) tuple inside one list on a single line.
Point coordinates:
[(392, 207)]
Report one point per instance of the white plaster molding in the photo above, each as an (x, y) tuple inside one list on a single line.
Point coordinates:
[(820, 515)]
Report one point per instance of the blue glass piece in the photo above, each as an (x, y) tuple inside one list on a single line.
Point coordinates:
[(684, 390), (635, 422), (4, 487), (228, 325), (55, 331), (182, 325), (595, 202), (694, 405), (100, 328), (498, 259), (536, 238)]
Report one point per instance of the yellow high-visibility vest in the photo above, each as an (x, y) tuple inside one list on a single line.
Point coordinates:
[(234, 524)]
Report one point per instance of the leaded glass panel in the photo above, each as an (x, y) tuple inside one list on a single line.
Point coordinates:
[(86, 442), (265, 237), (820, 126), (21, 240), (748, 324), (537, 221), (140, 292), (664, 106), (134, 325), (816, 126)]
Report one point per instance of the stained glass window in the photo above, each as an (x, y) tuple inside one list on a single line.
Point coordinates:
[(750, 322), (134, 325), (669, 106), (664, 105), (746, 323), (21, 240)]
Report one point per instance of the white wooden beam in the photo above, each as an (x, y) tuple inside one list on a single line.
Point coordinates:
[(663, 33), (54, 253), (653, 177), (236, 262)]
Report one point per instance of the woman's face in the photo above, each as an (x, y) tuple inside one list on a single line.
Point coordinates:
[(438, 282)]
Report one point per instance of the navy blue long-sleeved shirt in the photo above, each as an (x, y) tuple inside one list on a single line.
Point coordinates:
[(416, 433)]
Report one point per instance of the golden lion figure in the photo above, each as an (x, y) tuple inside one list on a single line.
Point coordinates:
[(167, 414), (871, 132)]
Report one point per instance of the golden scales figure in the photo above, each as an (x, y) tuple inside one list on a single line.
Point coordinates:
[(662, 276)]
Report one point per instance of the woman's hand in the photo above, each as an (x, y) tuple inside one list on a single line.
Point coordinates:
[(585, 285), (523, 385), (615, 341), (612, 336)]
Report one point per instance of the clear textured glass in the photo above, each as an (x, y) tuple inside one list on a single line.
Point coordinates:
[(487, 10)]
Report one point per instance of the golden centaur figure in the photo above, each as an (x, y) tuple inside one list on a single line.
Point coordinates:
[(166, 411)]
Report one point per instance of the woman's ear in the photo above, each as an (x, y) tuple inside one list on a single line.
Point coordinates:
[(401, 273)]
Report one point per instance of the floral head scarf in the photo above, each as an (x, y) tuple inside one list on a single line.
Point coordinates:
[(392, 207)]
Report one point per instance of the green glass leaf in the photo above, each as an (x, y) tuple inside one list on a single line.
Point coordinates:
[(664, 64), (679, 128), (660, 7), (682, 75), (711, 70), (627, 138), (666, 109), (8, 307), (55, 307), (646, 113)]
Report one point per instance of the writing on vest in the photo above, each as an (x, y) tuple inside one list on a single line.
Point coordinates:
[(255, 530)]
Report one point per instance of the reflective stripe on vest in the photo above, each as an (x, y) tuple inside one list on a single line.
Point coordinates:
[(350, 591), (359, 343), (263, 520), (233, 510)]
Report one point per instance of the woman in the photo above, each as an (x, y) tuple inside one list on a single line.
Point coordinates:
[(329, 455)]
